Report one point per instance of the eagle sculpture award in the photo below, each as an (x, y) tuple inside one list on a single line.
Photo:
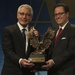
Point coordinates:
[(38, 56)]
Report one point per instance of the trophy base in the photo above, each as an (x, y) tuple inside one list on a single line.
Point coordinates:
[(38, 67), (38, 60)]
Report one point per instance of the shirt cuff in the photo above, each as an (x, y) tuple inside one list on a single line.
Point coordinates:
[(20, 62)]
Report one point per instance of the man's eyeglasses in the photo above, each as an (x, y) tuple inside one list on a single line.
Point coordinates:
[(22, 14), (61, 13)]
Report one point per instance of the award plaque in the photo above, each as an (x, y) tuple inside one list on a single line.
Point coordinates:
[(38, 56)]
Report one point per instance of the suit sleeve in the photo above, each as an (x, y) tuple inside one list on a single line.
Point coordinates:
[(8, 47)]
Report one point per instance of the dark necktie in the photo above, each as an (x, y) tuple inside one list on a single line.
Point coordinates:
[(24, 36), (59, 32)]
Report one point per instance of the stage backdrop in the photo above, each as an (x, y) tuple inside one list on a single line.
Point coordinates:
[(42, 19)]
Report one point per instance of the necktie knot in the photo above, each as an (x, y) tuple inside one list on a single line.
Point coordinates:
[(23, 30), (60, 29)]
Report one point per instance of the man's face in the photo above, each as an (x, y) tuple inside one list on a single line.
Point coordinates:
[(61, 17), (24, 16)]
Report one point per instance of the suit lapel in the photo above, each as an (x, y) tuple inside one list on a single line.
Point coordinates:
[(64, 32), (18, 36)]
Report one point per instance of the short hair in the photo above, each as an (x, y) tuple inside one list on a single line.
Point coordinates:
[(26, 6), (65, 6)]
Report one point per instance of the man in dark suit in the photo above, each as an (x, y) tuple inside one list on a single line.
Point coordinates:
[(16, 50), (61, 58)]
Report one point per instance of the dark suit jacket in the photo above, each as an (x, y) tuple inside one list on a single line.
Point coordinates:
[(63, 53), (13, 48)]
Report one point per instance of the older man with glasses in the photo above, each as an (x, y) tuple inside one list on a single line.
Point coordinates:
[(16, 46)]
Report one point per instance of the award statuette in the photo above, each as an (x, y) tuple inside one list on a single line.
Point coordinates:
[(38, 56)]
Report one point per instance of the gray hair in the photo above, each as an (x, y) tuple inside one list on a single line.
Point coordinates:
[(26, 6)]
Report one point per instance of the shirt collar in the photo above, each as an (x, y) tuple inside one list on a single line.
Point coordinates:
[(63, 25)]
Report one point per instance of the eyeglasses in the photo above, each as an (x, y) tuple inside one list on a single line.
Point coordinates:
[(22, 14), (61, 13)]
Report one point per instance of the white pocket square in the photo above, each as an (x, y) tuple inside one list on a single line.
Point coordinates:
[(63, 38)]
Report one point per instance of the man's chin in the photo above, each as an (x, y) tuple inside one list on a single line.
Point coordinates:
[(24, 24), (59, 23)]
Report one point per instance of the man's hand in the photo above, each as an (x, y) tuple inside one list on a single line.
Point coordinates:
[(26, 63), (49, 65), (36, 33)]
